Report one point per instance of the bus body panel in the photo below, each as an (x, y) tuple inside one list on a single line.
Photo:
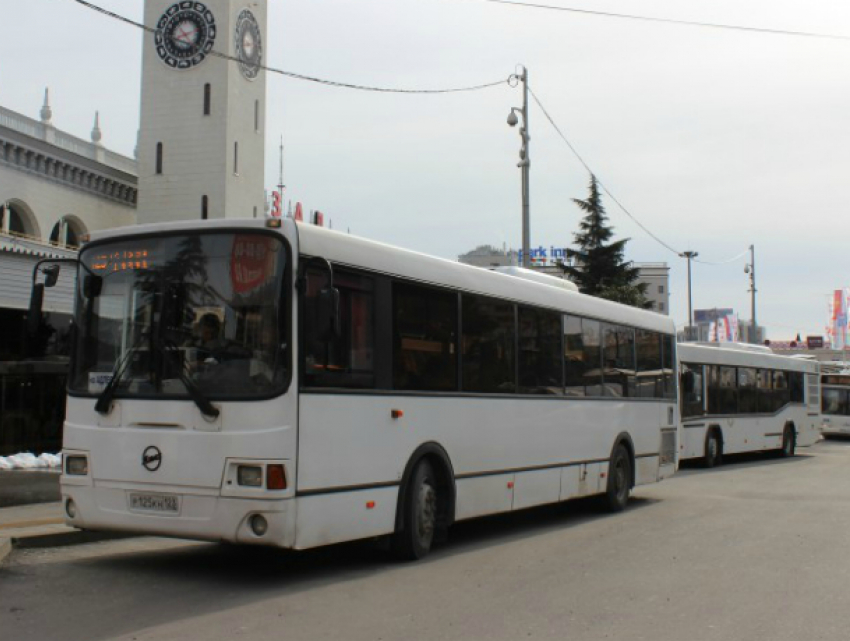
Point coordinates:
[(350, 440)]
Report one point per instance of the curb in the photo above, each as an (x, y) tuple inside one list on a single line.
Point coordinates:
[(67, 539), (5, 548)]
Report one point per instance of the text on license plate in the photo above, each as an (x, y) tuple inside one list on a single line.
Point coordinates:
[(155, 503)]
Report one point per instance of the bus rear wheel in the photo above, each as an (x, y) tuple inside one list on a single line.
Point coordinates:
[(616, 496), (413, 541), (789, 442), (713, 450)]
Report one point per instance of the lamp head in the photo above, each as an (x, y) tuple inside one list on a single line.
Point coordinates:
[(512, 119)]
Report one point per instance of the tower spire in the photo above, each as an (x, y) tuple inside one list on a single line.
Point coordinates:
[(46, 111), (96, 134)]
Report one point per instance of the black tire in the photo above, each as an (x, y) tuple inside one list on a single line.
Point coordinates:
[(616, 495), (789, 442), (713, 450), (419, 520)]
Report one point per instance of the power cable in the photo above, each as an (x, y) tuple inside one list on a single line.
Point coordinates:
[(690, 23), (299, 76), (599, 182), (614, 198)]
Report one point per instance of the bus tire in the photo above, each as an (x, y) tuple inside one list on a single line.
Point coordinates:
[(713, 449), (616, 495), (419, 520), (789, 442)]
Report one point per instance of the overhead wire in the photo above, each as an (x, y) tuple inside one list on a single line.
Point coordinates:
[(300, 76), (510, 80), (614, 198), (599, 182), (690, 23)]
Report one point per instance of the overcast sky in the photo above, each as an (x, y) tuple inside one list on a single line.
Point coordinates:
[(714, 139)]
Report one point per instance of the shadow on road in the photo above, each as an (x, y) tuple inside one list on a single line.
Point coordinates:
[(118, 593)]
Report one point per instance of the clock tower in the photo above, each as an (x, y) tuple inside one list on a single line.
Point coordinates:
[(201, 141)]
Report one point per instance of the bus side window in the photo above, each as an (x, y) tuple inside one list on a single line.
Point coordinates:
[(424, 338), (488, 337), (349, 359), (692, 397), (750, 397), (574, 357), (540, 368), (650, 379), (795, 386), (618, 352)]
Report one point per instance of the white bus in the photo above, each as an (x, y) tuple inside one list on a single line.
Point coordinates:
[(271, 382), (835, 405), (744, 398)]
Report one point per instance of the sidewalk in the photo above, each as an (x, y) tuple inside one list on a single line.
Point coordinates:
[(37, 524)]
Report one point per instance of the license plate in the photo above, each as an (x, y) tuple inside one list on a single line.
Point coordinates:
[(163, 503)]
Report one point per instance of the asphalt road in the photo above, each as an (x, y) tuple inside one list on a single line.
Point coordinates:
[(747, 551)]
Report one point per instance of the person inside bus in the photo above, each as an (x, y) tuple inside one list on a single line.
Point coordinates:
[(209, 338)]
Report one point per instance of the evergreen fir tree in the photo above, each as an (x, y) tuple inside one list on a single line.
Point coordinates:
[(598, 266)]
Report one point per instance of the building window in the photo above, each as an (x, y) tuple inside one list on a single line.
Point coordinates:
[(257, 115), (159, 158), (207, 99), (661, 289), (236, 158), (204, 207)]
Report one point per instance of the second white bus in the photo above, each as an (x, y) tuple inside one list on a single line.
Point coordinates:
[(744, 398)]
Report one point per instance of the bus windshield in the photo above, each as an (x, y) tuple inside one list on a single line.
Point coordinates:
[(182, 315)]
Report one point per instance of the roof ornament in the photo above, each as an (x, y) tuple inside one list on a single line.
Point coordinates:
[(96, 134), (46, 111)]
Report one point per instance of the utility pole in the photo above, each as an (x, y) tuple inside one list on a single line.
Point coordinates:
[(751, 270), (280, 185), (690, 255), (524, 164)]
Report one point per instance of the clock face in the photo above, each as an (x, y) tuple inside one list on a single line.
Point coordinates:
[(185, 34), (249, 44)]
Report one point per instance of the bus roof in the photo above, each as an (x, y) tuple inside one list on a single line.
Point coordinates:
[(737, 355), (367, 254)]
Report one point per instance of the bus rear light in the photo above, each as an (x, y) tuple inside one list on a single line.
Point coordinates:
[(370, 505), (275, 477), (250, 475), (76, 465)]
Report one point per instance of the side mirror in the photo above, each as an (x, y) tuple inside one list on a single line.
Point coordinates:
[(34, 314), (51, 275), (328, 313), (92, 285)]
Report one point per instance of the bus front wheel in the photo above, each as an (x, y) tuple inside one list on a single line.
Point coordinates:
[(419, 520), (616, 496)]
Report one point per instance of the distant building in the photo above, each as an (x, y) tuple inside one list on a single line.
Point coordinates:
[(656, 276), (489, 256)]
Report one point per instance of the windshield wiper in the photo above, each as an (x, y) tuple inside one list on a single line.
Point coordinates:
[(195, 393), (104, 401)]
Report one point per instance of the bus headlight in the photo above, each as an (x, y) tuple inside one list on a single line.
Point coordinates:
[(76, 465), (250, 475)]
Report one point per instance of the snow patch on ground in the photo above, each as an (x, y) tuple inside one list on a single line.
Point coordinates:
[(28, 461)]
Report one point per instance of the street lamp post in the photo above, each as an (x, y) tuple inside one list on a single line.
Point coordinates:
[(524, 164), (750, 269), (690, 255)]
